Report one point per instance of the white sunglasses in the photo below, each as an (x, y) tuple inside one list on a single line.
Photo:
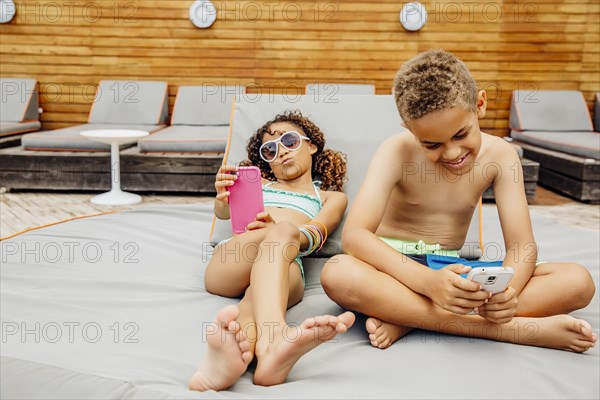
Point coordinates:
[(291, 140)]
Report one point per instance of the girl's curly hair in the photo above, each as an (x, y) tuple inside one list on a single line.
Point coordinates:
[(328, 166)]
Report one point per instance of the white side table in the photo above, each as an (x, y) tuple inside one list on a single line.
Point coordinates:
[(115, 137)]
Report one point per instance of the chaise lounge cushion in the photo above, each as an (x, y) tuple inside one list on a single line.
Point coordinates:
[(355, 125), (130, 103), (69, 139), (115, 306), (186, 139), (597, 112), (584, 144), (19, 108), (200, 122), (137, 105), (549, 110), (204, 105), (14, 128), (19, 99)]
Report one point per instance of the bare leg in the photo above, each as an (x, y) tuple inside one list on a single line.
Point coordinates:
[(572, 281), (279, 346), (556, 288), (228, 271), (229, 350), (358, 286), (246, 319)]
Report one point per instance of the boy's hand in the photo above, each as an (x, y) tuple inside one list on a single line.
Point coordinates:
[(223, 180), (501, 307), (263, 220), (454, 293)]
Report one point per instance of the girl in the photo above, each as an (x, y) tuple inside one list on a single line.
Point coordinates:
[(264, 266)]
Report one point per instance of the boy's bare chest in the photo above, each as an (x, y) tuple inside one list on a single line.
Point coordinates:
[(442, 191)]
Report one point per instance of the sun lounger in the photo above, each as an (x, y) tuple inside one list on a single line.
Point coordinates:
[(346, 123), (19, 109), (137, 105), (554, 128), (121, 312), (597, 112), (200, 121)]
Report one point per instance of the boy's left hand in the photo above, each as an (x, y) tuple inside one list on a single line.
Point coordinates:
[(501, 307), (263, 220)]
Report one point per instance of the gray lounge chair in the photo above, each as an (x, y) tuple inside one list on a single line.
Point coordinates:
[(597, 112), (355, 125), (121, 311), (554, 128), (19, 111), (199, 124), (138, 105)]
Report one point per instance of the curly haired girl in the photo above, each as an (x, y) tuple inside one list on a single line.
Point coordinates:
[(263, 265)]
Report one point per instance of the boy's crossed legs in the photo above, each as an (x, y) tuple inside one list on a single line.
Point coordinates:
[(553, 291)]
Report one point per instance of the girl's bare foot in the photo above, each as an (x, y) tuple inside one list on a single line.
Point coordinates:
[(228, 354), (276, 358), (383, 334)]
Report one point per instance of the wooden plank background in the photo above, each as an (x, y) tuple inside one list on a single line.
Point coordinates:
[(280, 46)]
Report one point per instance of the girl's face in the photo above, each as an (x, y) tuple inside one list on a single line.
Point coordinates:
[(289, 164)]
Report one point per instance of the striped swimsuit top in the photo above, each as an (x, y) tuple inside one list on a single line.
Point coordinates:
[(307, 204)]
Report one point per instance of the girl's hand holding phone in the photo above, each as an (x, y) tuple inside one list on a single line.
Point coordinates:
[(226, 177), (245, 198), (263, 220)]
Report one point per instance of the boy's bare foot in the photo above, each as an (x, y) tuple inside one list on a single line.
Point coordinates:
[(277, 358), (383, 334), (562, 332), (228, 354)]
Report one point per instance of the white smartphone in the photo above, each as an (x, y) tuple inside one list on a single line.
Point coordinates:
[(492, 279)]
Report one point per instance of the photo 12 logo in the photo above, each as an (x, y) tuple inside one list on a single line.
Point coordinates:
[(69, 332), (62, 12), (69, 252)]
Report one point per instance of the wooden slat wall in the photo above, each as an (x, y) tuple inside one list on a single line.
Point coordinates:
[(279, 47)]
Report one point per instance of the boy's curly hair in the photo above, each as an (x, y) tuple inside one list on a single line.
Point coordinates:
[(328, 166), (432, 81)]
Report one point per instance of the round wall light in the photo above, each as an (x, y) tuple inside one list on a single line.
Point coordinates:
[(7, 11), (203, 13), (413, 16)]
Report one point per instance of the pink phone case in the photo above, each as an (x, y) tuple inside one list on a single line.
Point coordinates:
[(245, 198)]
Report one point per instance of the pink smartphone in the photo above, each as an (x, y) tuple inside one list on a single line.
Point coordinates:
[(245, 198)]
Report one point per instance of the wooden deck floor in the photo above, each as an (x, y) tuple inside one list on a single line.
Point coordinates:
[(23, 210)]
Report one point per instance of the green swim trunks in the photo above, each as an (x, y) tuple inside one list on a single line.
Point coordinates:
[(418, 248)]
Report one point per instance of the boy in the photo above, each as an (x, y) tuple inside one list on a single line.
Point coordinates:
[(418, 198)]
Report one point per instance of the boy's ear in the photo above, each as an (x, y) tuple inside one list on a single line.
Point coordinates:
[(481, 104)]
